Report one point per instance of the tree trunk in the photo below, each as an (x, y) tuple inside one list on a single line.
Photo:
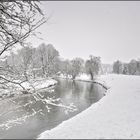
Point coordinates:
[(25, 74), (73, 77), (91, 75), (34, 75)]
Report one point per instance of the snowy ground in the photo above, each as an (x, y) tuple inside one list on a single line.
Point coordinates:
[(116, 115), (39, 84), (32, 86)]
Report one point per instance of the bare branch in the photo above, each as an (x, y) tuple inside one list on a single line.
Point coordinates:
[(1, 77)]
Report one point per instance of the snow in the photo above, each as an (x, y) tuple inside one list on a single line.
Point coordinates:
[(39, 83), (31, 85), (115, 116), (82, 76)]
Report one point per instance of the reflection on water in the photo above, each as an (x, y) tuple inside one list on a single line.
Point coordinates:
[(30, 115)]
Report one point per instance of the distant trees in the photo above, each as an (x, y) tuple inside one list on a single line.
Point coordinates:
[(106, 68), (24, 60), (118, 67), (93, 66), (48, 58), (31, 62), (76, 67), (132, 68), (64, 66), (125, 68), (72, 67)]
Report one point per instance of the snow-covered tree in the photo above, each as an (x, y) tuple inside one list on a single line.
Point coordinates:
[(65, 67), (93, 66), (125, 68), (18, 21), (48, 58), (76, 67), (25, 57), (132, 67), (118, 67)]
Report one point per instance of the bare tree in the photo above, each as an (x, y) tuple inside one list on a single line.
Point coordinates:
[(76, 66), (65, 67), (132, 67), (118, 67), (18, 20), (25, 57), (48, 56), (34, 63), (93, 66)]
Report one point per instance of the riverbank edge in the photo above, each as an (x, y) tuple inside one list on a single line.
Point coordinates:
[(97, 80)]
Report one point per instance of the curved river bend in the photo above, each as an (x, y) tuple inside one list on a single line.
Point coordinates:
[(28, 116)]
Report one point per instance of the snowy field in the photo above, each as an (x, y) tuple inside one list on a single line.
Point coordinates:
[(116, 115)]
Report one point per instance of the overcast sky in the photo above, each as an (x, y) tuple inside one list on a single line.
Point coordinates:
[(110, 30)]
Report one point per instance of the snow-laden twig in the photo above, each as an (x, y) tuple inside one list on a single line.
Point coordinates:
[(52, 101), (8, 124)]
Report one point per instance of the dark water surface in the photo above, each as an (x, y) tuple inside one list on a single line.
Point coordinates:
[(29, 115)]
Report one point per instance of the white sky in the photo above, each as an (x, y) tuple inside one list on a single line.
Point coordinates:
[(110, 30)]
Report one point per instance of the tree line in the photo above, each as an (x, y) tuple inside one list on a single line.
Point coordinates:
[(76, 66), (130, 68), (44, 61)]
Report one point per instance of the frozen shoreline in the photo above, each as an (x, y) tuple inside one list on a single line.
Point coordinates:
[(115, 116), (86, 78)]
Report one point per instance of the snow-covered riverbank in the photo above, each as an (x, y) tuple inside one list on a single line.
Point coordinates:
[(86, 78), (116, 115), (31, 86)]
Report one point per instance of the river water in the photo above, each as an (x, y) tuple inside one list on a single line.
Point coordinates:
[(29, 115)]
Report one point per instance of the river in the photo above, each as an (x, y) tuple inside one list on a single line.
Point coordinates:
[(29, 115)]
